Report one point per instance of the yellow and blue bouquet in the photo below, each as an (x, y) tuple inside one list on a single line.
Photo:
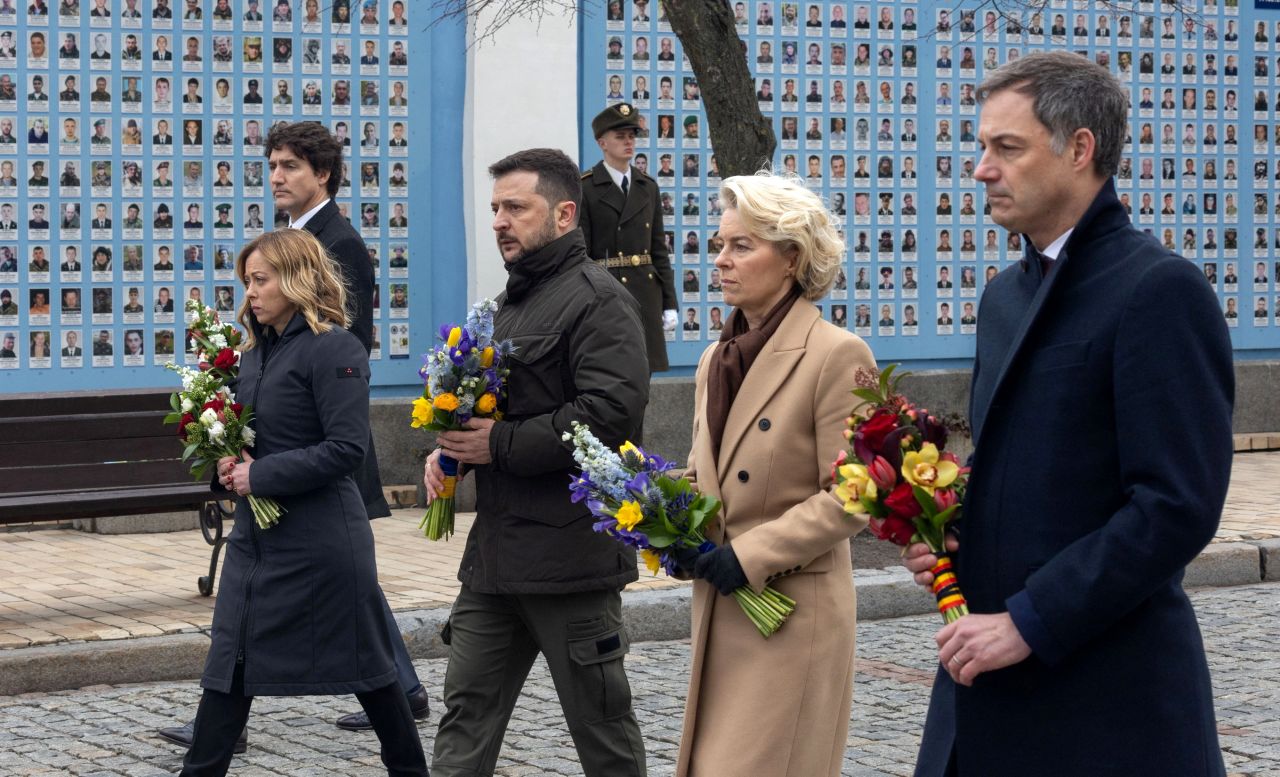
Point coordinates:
[(635, 501), (464, 377)]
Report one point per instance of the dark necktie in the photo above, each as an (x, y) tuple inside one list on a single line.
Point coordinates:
[(1033, 255), (625, 185)]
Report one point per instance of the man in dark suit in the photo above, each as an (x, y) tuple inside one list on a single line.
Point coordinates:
[(72, 348), (305, 160), (621, 220), (1082, 654)]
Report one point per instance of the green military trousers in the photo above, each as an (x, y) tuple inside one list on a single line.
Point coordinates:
[(493, 640)]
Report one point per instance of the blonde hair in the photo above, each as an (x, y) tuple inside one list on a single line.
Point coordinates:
[(308, 276), (779, 209)]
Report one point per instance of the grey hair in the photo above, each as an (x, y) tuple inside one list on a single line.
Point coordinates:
[(1070, 93), (779, 209)]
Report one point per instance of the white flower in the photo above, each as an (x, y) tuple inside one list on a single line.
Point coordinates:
[(248, 435), (218, 340), (208, 418), (216, 430), (187, 405)]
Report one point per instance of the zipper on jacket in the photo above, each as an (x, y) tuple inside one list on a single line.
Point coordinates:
[(253, 537)]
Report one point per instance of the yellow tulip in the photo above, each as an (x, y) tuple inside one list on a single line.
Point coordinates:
[(486, 358), (486, 403), (422, 413), (455, 335), (651, 560), (446, 402), (925, 470), (629, 515)]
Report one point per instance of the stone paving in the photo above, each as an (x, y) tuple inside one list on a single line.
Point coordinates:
[(107, 731), (61, 585)]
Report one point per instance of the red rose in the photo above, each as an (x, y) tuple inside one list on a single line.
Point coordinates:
[(187, 418), (876, 428), (216, 404), (225, 360), (894, 529), (903, 502), (237, 408)]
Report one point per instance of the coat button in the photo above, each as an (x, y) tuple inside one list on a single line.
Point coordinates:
[(764, 424), (624, 279), (743, 476)]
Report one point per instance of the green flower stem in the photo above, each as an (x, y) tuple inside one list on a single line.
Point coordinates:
[(767, 610), (438, 522), (266, 511)]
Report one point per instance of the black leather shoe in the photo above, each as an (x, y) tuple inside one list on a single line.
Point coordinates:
[(182, 735), (419, 705)]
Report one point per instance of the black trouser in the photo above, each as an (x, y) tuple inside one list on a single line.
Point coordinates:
[(221, 718)]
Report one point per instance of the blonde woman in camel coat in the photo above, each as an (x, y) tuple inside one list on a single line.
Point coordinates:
[(775, 392)]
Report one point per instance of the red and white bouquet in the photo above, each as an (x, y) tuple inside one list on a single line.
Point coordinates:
[(211, 424), (900, 474)]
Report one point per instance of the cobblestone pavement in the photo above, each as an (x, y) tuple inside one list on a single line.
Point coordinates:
[(105, 730)]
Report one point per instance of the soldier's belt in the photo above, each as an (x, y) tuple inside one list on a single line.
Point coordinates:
[(622, 260)]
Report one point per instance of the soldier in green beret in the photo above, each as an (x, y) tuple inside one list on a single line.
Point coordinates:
[(621, 220)]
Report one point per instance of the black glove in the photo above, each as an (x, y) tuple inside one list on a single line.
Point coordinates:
[(721, 569), (685, 558)]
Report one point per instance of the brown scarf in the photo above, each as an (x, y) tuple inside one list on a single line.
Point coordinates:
[(739, 347)]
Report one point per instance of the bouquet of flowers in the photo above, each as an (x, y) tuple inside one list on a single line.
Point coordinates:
[(210, 422), (637, 503), (464, 377), (899, 474), (217, 343)]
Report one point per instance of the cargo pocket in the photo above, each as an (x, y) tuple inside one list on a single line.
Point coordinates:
[(597, 650)]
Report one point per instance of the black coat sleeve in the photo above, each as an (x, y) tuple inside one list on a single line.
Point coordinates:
[(351, 255), (342, 404)]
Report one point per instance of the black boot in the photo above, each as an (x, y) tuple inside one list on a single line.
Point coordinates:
[(419, 706), (182, 735)]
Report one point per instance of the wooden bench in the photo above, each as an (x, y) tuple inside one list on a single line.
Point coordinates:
[(99, 454)]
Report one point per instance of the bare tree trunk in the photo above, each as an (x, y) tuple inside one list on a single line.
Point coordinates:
[(742, 137)]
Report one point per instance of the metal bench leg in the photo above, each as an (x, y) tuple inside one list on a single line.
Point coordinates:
[(211, 516)]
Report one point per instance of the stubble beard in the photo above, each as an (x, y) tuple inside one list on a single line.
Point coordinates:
[(537, 242)]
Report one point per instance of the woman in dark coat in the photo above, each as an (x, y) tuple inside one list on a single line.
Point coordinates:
[(298, 610)]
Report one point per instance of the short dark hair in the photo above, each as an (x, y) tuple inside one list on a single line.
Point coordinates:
[(558, 177), (1069, 92), (312, 141)]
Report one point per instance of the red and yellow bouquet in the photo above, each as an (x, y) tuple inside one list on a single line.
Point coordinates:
[(899, 473)]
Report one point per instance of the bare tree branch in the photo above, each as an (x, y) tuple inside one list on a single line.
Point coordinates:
[(500, 13)]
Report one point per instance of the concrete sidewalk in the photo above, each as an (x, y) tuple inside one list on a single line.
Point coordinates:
[(79, 609)]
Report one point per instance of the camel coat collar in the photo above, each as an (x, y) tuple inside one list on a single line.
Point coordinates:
[(767, 374)]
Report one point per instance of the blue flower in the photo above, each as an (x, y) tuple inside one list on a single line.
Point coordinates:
[(639, 484), (580, 487)]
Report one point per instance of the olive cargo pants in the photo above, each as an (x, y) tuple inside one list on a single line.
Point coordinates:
[(493, 641)]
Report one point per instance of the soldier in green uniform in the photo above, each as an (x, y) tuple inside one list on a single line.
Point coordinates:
[(621, 220)]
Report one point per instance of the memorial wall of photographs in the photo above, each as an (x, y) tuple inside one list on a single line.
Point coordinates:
[(873, 103), (132, 167)]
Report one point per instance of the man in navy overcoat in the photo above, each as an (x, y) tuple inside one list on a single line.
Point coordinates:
[(1101, 413)]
